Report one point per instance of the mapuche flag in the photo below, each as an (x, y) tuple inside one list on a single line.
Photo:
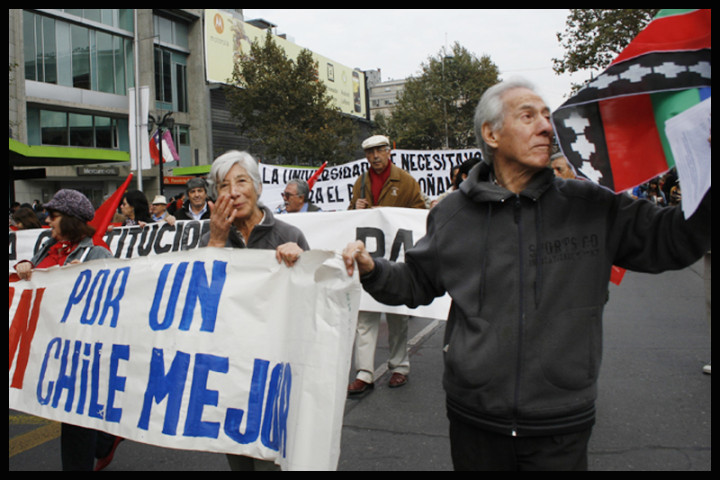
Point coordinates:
[(613, 130)]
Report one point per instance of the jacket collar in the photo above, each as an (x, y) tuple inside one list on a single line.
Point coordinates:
[(481, 187)]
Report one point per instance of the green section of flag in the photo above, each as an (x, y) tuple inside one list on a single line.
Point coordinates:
[(669, 12), (665, 106)]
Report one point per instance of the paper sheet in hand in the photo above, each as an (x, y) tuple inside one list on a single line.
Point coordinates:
[(689, 133)]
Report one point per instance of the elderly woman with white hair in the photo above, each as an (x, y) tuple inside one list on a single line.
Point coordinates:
[(238, 220), (237, 217)]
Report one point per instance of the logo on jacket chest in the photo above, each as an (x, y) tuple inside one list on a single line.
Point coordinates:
[(567, 248)]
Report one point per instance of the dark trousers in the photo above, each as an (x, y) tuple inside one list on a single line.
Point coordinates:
[(476, 449), (80, 446)]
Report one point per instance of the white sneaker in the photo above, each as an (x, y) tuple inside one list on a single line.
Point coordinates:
[(706, 369)]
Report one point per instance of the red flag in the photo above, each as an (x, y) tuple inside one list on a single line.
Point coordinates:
[(104, 213), (311, 180)]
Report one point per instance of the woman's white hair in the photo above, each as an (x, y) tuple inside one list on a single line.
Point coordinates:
[(222, 165), (491, 110)]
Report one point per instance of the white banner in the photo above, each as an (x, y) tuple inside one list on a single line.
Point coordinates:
[(333, 190), (219, 350), (387, 232)]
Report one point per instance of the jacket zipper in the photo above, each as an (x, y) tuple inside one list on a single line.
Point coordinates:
[(521, 311)]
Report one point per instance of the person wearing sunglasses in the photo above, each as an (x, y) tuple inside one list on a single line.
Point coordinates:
[(296, 197)]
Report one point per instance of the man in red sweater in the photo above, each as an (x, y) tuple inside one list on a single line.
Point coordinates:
[(383, 185)]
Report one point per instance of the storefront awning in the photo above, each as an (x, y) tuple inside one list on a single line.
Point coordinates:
[(22, 155), (192, 171)]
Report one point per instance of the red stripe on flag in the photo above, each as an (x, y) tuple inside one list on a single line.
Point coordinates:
[(617, 274), (636, 154), (688, 31)]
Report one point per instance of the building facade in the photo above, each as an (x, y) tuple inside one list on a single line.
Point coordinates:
[(69, 114), (383, 96), (70, 71)]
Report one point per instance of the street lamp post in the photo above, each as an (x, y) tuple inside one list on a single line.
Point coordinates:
[(166, 122)]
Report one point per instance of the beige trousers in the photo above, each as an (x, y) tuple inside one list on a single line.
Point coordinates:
[(366, 340)]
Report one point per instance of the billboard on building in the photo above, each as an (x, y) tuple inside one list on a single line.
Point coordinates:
[(227, 39)]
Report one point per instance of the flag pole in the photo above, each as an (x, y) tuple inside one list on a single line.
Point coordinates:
[(166, 122), (138, 152)]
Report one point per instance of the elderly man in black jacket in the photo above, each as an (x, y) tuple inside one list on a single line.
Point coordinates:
[(522, 360)]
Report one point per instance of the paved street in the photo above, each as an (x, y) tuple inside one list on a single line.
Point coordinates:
[(654, 408)]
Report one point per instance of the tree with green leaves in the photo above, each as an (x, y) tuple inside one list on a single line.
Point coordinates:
[(593, 37), (281, 103), (436, 109)]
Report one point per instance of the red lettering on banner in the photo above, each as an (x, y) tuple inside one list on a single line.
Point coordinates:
[(22, 330)]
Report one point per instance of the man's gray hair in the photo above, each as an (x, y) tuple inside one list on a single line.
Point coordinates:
[(491, 110), (196, 182), (222, 165), (303, 189)]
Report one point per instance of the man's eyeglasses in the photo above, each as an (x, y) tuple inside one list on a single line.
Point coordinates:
[(286, 194)]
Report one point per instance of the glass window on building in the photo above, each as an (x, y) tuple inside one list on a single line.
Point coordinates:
[(166, 83), (105, 62), (113, 17), (171, 52), (81, 130), (119, 65), (74, 129), (125, 19), (171, 80), (106, 132), (164, 29), (80, 38), (39, 48), (93, 14), (64, 54), (171, 32), (29, 47), (53, 128), (79, 56), (181, 87), (182, 145), (49, 55)]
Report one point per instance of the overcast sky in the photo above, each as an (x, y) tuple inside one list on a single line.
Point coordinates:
[(520, 42)]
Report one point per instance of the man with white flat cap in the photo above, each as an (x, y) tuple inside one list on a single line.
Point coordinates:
[(383, 185)]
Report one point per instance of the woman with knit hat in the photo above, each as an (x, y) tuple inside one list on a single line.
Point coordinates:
[(71, 242)]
